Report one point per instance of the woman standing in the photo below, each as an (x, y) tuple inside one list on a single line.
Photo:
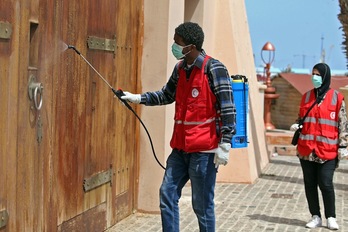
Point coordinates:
[(322, 143)]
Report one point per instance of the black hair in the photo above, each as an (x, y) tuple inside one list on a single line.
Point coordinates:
[(191, 33)]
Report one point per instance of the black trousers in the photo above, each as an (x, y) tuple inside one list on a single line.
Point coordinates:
[(314, 175)]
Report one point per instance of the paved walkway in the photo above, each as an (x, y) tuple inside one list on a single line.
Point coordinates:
[(275, 202)]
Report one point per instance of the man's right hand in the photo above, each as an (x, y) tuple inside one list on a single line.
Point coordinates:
[(134, 98)]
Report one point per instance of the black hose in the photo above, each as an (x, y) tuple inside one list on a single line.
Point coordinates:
[(119, 93)]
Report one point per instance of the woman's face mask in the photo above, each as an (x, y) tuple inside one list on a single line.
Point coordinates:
[(177, 51), (317, 81)]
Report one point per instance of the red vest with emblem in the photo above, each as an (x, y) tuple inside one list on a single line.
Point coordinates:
[(320, 128), (195, 112)]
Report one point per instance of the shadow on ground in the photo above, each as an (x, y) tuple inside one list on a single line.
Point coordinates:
[(277, 220)]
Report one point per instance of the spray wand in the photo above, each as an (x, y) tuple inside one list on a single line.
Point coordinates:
[(119, 93)]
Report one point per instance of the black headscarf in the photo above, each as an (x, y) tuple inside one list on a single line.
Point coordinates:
[(325, 73)]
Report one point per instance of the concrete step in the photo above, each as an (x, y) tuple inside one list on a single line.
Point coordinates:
[(275, 150), (283, 137), (279, 142)]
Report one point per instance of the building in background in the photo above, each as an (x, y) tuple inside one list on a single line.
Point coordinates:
[(291, 87)]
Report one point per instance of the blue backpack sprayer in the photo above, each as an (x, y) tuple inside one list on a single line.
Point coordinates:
[(240, 89)]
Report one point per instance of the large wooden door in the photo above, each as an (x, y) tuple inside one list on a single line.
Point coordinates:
[(26, 192), (81, 132)]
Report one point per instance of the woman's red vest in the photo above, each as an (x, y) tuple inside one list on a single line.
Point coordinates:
[(320, 129), (195, 112)]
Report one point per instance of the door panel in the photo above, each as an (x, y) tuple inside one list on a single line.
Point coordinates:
[(81, 129)]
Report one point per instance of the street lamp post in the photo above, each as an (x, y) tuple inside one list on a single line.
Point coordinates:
[(270, 92)]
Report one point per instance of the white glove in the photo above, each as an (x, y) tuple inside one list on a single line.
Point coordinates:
[(294, 127), (222, 154), (134, 98)]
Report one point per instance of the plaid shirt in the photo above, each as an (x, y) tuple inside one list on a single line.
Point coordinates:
[(219, 81)]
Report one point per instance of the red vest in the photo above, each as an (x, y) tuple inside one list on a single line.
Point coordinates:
[(195, 112), (320, 128)]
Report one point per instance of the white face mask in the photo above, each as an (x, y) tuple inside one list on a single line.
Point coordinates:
[(177, 51), (317, 81)]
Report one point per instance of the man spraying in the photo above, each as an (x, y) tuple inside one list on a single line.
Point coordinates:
[(204, 124)]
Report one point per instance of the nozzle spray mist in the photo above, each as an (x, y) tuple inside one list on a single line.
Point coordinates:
[(72, 47)]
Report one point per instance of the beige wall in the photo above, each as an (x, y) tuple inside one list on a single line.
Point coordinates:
[(226, 39)]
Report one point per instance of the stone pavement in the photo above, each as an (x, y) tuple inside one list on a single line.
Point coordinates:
[(275, 202)]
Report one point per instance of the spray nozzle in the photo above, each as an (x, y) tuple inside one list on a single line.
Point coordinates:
[(72, 47), (119, 93)]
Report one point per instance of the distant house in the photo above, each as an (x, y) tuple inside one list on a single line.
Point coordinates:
[(290, 87)]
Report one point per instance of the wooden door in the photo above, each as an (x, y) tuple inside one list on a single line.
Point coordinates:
[(26, 191), (81, 130)]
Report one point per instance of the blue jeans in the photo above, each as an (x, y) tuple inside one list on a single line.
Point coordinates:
[(200, 169)]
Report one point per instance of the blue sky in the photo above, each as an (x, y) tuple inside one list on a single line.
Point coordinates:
[(296, 29)]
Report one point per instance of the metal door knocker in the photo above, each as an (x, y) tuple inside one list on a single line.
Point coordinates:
[(35, 90)]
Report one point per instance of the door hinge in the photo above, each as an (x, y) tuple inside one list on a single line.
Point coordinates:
[(104, 44), (5, 30), (97, 180)]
